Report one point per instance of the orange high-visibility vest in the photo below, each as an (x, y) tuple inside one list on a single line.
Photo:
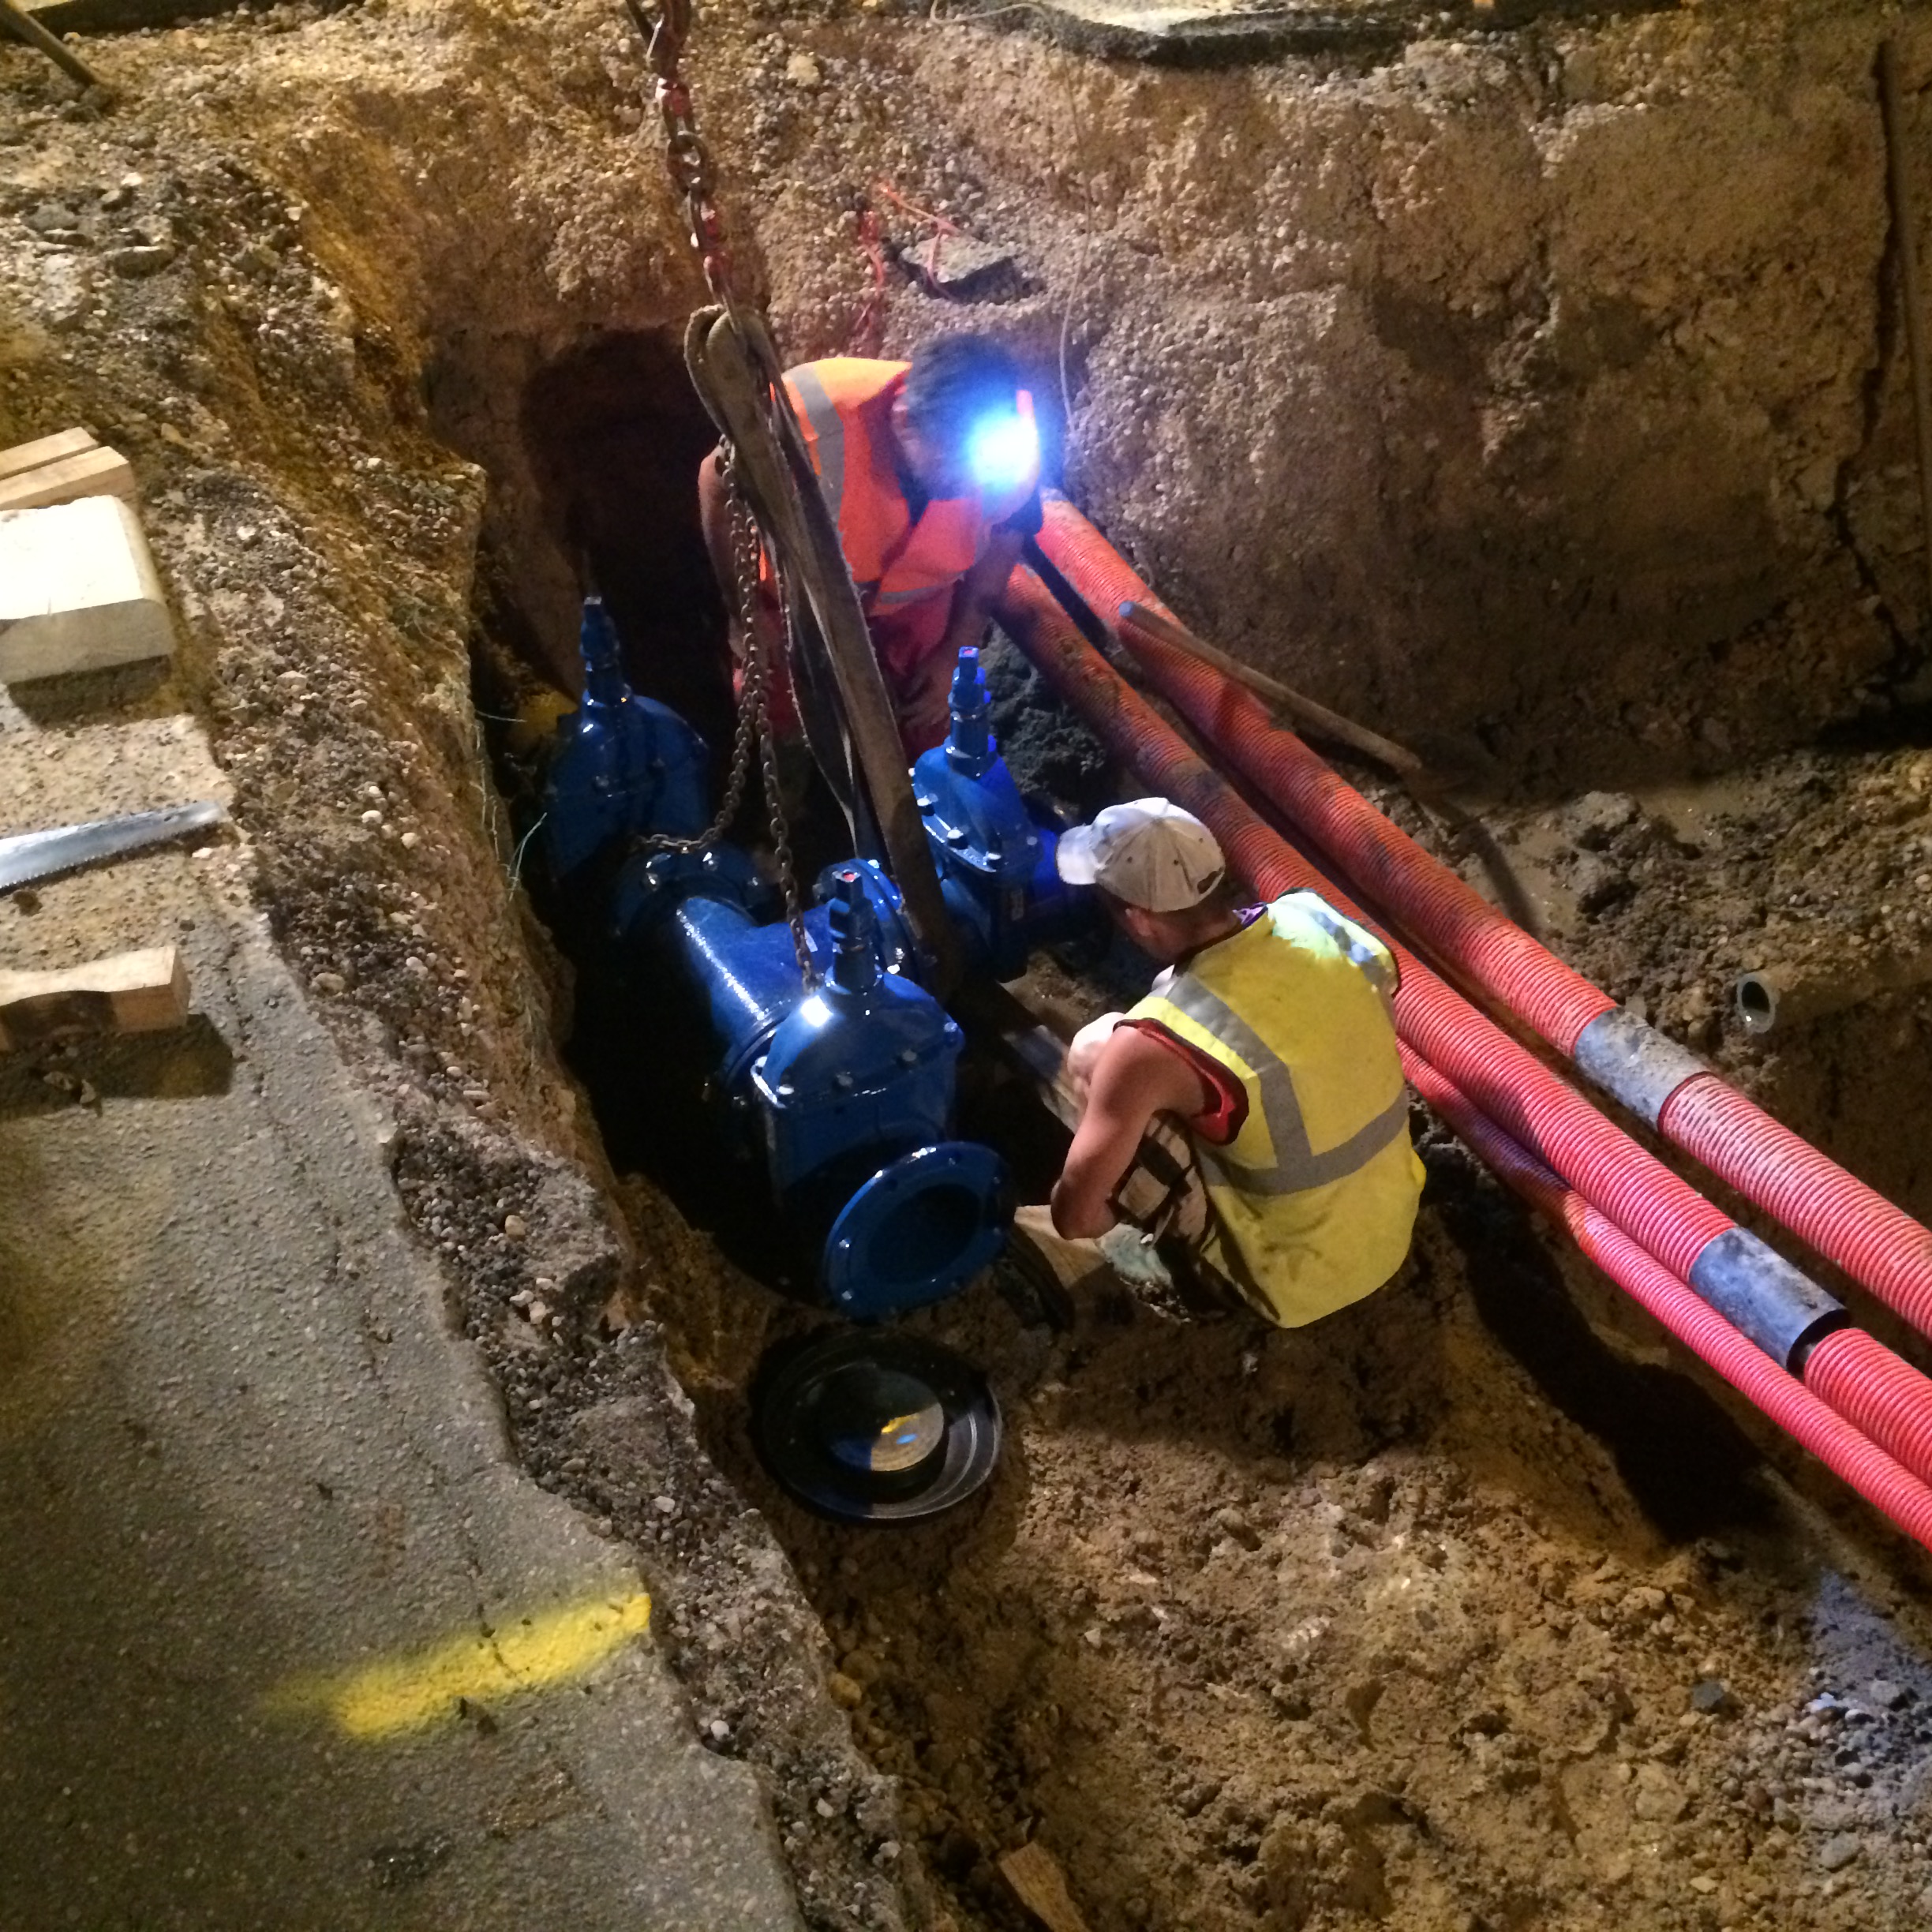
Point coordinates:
[(843, 405)]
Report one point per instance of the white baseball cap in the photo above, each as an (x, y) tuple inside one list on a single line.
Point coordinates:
[(1150, 853)]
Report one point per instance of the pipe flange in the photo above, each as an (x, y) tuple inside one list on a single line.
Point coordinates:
[(918, 1231)]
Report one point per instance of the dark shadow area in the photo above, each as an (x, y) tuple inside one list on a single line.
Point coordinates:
[(1688, 1467), (615, 434), (1906, 726), (123, 692), (191, 1062)]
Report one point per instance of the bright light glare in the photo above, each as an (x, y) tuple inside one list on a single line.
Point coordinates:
[(1003, 453), (817, 1012)]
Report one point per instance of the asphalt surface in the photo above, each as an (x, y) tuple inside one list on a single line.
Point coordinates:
[(286, 1639)]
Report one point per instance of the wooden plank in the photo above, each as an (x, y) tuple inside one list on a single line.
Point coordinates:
[(90, 473), (16, 21), (142, 992), (45, 449), (1040, 1886), (78, 591), (1315, 717)]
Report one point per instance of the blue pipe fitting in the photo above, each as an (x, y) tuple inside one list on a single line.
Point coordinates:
[(996, 866), (839, 1082), (623, 764), (746, 974), (898, 949), (866, 1058)]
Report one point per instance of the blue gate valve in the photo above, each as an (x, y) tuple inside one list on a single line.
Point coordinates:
[(623, 764), (995, 864), (857, 1091)]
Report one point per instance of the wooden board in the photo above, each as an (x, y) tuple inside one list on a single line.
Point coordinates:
[(78, 591), (44, 450), (1041, 1887), (89, 473), (143, 992)]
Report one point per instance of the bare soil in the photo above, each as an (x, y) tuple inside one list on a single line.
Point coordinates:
[(1540, 392)]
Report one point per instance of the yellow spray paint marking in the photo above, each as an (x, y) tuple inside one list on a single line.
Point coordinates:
[(530, 1654)]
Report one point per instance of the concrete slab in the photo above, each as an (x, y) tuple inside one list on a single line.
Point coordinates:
[(285, 1638), (1202, 32)]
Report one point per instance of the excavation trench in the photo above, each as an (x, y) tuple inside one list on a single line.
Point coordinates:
[(1473, 1606), (1195, 1633)]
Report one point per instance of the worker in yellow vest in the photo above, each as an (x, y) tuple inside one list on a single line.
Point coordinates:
[(931, 471), (1269, 1035)]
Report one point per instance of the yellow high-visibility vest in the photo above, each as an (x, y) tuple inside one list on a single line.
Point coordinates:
[(1314, 1198)]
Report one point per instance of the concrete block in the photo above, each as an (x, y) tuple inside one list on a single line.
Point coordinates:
[(78, 591), (46, 449), (89, 473)]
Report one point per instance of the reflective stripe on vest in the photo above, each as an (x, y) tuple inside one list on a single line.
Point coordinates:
[(1297, 1167), (828, 426)]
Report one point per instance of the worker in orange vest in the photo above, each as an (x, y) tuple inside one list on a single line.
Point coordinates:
[(931, 469)]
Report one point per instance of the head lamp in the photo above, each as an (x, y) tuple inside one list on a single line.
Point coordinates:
[(1002, 449)]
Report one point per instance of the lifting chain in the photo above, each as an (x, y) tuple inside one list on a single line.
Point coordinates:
[(688, 161), (746, 550), (685, 154), (753, 729)]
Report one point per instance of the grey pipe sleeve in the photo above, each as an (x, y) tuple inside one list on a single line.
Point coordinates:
[(1764, 1297), (1630, 1058)]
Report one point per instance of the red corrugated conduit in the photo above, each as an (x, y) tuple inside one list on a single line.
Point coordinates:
[(1871, 1239), (1642, 1197), (1514, 1088), (1833, 1439), (1872, 1389), (1878, 1243)]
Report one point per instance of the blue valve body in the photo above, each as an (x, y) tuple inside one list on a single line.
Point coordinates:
[(995, 862), (841, 1091)]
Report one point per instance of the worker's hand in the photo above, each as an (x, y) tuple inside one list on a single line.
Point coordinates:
[(1086, 1049)]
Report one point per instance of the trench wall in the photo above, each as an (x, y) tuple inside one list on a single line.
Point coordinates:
[(1547, 386)]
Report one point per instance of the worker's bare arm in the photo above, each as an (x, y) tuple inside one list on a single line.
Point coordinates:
[(1134, 1078), (1083, 1055), (979, 590)]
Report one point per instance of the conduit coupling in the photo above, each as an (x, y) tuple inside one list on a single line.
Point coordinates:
[(1608, 1171), (1765, 1298), (1831, 1430), (1668, 1089)]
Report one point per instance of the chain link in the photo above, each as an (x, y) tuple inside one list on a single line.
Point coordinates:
[(781, 832), (754, 726), (688, 161), (686, 156), (751, 701)]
